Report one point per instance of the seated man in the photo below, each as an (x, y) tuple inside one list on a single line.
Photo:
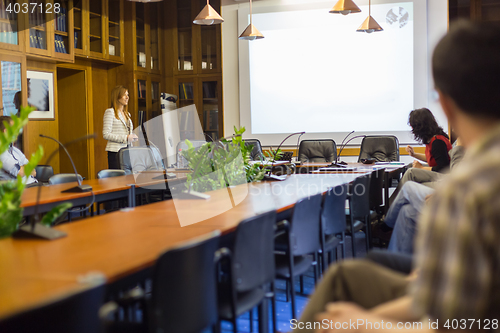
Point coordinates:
[(13, 160), (427, 177), (456, 276), (403, 214)]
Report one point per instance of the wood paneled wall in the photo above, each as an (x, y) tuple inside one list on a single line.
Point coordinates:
[(47, 127)]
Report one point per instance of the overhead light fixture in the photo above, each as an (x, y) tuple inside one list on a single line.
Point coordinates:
[(369, 25), (208, 16), (145, 1), (251, 32), (345, 7)]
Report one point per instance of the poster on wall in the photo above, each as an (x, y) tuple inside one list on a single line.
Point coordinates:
[(41, 95)]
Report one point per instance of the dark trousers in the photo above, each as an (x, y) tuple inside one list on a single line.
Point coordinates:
[(113, 162)]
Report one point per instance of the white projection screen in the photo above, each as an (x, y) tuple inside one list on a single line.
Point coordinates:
[(313, 72)]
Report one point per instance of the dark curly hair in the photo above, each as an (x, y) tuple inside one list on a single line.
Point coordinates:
[(424, 126)]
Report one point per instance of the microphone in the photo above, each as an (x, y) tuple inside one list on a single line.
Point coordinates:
[(190, 194), (77, 189), (270, 176), (345, 138), (343, 164), (35, 229)]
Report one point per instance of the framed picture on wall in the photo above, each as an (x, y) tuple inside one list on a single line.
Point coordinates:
[(41, 95)]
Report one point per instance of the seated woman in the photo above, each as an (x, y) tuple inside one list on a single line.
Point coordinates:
[(426, 130)]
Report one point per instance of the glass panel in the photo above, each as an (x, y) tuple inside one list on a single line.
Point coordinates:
[(61, 39), (155, 96), (77, 17), (95, 17), (185, 35), (140, 35), (141, 93), (211, 109), (38, 34), (11, 87), (154, 9), (114, 27), (209, 40), (490, 11), (8, 24)]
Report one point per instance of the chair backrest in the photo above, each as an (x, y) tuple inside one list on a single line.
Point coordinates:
[(376, 186), (253, 253), (184, 294), (333, 211), (108, 173), (62, 178), (44, 172), (137, 159), (77, 313), (382, 148), (304, 225), (317, 151), (183, 146), (256, 154), (360, 197)]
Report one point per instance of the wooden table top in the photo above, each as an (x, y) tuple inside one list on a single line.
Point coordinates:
[(52, 193), (123, 242)]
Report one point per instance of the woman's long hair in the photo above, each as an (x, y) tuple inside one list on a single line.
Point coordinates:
[(424, 126), (117, 93)]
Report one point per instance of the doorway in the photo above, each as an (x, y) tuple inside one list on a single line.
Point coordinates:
[(73, 119)]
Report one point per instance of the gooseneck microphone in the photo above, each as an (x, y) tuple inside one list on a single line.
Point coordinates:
[(38, 230), (340, 152), (270, 176), (80, 187)]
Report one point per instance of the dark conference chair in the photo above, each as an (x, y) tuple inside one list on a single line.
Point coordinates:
[(358, 213), (300, 240), (184, 292), (256, 154), (62, 178), (381, 148), (333, 224), (109, 204), (43, 173), (137, 159), (77, 313), (251, 269), (317, 151)]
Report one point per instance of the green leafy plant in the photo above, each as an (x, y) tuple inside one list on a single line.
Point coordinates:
[(221, 164), (11, 212)]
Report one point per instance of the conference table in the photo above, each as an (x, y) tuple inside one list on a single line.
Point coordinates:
[(121, 187), (393, 170), (126, 243)]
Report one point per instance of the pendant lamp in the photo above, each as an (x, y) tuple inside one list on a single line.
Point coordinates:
[(251, 32), (369, 25), (208, 16), (345, 7), (145, 1)]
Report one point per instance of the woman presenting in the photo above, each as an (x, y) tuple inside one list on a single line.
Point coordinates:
[(117, 127), (437, 144)]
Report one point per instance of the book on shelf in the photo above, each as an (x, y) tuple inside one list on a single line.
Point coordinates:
[(76, 39), (211, 120), (209, 90)]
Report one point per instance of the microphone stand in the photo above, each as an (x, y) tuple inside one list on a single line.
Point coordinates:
[(343, 164), (35, 229), (270, 176), (77, 189)]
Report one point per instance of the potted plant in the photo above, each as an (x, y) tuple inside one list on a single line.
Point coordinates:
[(11, 212)]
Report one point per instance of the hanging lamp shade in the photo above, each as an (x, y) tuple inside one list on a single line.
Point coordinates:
[(345, 7), (208, 16), (251, 32), (369, 25), (145, 1)]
